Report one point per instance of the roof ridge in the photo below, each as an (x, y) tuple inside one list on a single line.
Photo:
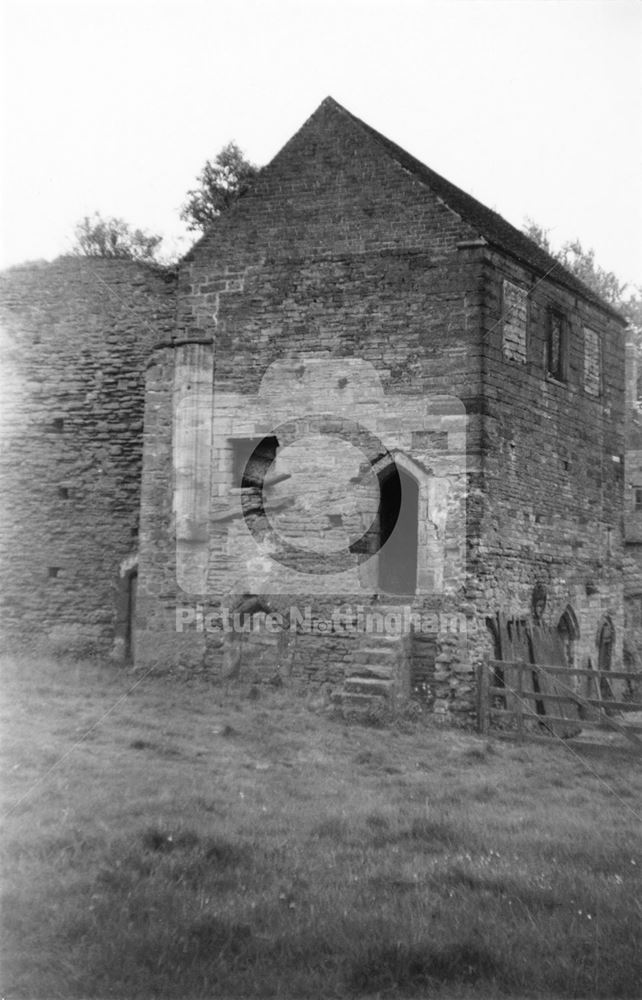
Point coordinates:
[(497, 230)]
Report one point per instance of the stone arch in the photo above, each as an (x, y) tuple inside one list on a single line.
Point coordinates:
[(398, 531), (605, 640), (605, 643), (385, 464), (568, 630), (423, 524)]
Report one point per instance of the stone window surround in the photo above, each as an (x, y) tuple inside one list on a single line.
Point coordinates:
[(514, 334), (559, 372), (431, 516), (597, 360)]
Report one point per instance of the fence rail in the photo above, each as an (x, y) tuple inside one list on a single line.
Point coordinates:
[(539, 700)]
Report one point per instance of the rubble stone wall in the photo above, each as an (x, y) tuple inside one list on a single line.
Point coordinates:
[(76, 334)]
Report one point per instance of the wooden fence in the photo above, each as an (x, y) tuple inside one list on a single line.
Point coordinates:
[(534, 700)]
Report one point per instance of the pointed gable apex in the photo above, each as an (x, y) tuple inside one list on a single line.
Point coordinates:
[(333, 189), (488, 224), (333, 137)]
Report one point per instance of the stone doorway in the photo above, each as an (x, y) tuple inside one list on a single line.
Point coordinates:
[(398, 532), (124, 648)]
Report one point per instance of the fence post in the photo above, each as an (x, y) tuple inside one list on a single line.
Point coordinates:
[(483, 699), (520, 701)]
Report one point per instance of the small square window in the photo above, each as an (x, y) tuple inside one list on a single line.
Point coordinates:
[(53, 571), (556, 346), (252, 459), (637, 494)]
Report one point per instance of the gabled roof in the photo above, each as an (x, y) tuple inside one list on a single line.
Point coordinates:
[(495, 230)]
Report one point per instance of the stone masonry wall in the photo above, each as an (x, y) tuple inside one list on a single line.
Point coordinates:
[(553, 461), (633, 550), (336, 253), (633, 513), (76, 334)]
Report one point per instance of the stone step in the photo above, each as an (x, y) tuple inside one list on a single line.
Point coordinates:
[(383, 608), (376, 654), (353, 701), (374, 637), (369, 685), (376, 671), (381, 642)]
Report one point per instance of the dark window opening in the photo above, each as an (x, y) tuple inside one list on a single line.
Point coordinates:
[(556, 346), (398, 533), (252, 459), (638, 498), (57, 425), (63, 492), (53, 571), (605, 644), (568, 631)]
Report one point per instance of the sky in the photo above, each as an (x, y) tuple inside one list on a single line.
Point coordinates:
[(535, 108)]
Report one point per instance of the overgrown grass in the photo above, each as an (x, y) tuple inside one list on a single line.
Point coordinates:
[(182, 840)]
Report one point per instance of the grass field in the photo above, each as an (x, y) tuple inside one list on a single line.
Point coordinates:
[(175, 839)]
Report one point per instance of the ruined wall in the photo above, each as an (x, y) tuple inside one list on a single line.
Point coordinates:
[(553, 455), (76, 334)]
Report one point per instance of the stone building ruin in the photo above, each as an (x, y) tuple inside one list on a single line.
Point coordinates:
[(362, 395)]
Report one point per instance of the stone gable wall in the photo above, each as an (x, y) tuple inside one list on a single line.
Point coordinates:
[(337, 253)]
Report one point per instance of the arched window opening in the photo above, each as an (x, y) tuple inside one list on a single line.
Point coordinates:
[(569, 632), (605, 646)]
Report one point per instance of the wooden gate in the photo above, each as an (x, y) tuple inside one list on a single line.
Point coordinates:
[(537, 700)]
